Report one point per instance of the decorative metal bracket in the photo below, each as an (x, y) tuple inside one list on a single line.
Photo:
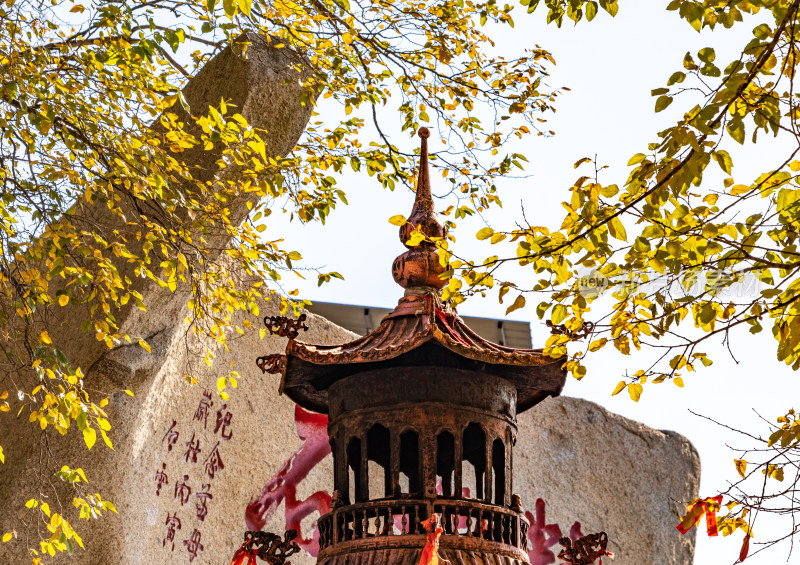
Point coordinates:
[(272, 364), (266, 546), (585, 550), (284, 326), (560, 329)]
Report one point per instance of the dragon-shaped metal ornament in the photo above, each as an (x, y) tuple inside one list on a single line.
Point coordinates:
[(266, 546), (281, 326), (585, 550)]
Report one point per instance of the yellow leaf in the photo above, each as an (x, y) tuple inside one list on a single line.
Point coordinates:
[(46, 337), (89, 436), (397, 220), (484, 233), (741, 466), (129, 393), (347, 38), (635, 390), (7, 537), (617, 230), (106, 439), (618, 389), (143, 345), (2, 456), (597, 344), (518, 303), (63, 300), (678, 381)]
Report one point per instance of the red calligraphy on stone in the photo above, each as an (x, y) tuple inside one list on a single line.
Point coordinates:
[(224, 418), (201, 414), (213, 462), (182, 490), (282, 487), (161, 479), (202, 502), (173, 523), (192, 450), (171, 436), (193, 545)]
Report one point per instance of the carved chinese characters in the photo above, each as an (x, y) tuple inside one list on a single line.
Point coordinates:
[(194, 458)]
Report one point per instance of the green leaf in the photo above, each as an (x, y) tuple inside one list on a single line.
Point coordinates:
[(763, 32), (736, 129), (662, 102), (723, 160), (230, 7), (559, 313), (706, 55), (677, 77), (591, 10)]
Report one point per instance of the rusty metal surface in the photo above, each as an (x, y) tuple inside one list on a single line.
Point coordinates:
[(467, 525), (419, 266), (419, 321), (411, 556)]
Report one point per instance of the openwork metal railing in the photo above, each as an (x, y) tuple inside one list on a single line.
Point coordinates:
[(459, 518)]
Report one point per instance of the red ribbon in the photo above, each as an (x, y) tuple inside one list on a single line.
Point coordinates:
[(443, 318), (699, 508), (745, 548)]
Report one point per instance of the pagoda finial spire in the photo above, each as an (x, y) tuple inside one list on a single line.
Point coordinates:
[(418, 269)]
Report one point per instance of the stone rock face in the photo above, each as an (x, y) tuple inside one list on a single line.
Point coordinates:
[(577, 463), (264, 87)]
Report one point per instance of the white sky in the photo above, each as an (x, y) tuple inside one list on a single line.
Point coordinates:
[(611, 65)]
